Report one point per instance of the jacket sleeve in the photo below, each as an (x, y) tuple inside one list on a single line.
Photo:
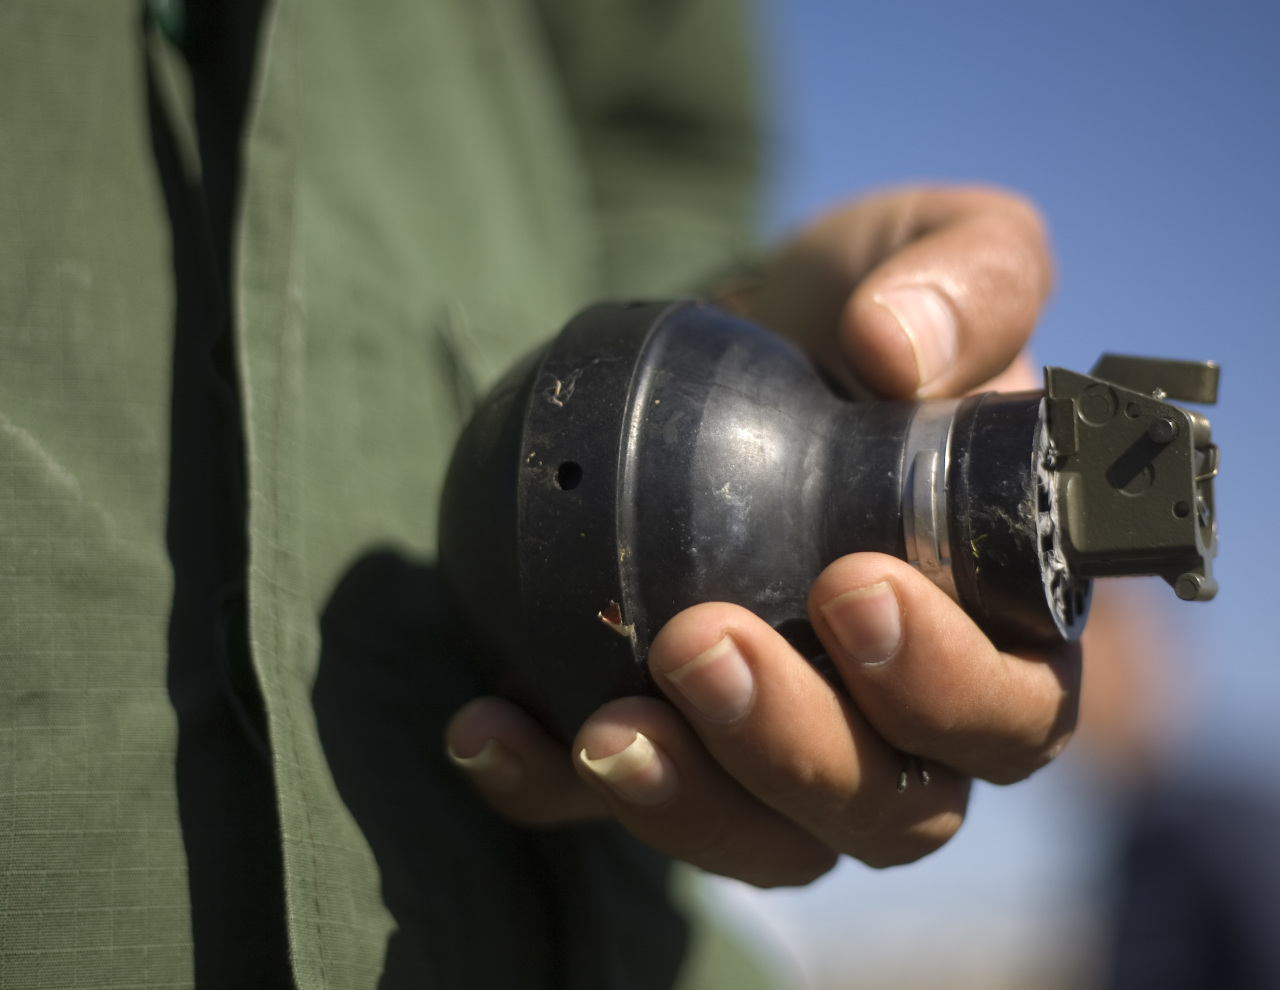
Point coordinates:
[(664, 95)]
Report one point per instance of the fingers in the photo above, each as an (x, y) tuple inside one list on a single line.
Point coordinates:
[(776, 728), (517, 766), (957, 302), (762, 771), (660, 782), (932, 290), (931, 683)]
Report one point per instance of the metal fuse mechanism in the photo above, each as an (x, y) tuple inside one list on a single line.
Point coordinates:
[(1134, 472), (657, 455), (1099, 475)]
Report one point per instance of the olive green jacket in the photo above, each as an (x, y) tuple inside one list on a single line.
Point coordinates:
[(430, 187)]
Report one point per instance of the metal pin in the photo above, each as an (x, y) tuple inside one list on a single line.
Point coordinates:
[(910, 763)]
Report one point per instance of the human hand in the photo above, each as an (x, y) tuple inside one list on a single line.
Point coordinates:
[(919, 292), (757, 768)]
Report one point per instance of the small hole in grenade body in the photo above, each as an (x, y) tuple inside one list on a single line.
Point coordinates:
[(569, 475)]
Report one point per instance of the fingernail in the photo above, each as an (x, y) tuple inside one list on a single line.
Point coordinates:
[(717, 682), (929, 324), (638, 774), (867, 622), (493, 766)]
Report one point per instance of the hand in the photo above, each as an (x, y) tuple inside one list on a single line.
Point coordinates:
[(757, 768), (921, 292)]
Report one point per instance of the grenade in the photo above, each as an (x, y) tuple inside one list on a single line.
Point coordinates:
[(658, 455)]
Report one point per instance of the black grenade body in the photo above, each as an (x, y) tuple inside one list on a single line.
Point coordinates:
[(660, 455)]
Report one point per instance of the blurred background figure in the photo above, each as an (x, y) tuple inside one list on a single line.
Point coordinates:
[(1147, 133), (1196, 882)]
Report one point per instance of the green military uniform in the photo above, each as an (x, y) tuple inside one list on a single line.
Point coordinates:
[(425, 189)]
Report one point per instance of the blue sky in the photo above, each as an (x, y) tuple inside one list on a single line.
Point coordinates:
[(1149, 133)]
